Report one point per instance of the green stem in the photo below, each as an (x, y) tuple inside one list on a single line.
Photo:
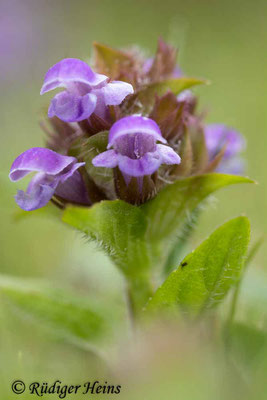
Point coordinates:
[(139, 292), (176, 252), (234, 300)]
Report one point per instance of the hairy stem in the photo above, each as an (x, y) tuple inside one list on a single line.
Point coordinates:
[(139, 291)]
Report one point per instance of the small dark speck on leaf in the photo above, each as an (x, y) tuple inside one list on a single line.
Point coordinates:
[(184, 264)]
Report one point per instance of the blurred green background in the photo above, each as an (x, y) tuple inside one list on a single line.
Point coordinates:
[(223, 41)]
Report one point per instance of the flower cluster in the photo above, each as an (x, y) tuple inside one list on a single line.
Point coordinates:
[(123, 130)]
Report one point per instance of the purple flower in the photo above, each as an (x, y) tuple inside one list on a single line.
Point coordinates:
[(135, 149), (86, 91), (56, 174), (217, 136)]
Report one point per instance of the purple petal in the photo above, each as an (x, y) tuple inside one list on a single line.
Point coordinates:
[(115, 92), (168, 155), (108, 159), (40, 160), (68, 172), (135, 145), (235, 166), (217, 135), (40, 190), (101, 109), (69, 71), (134, 124), (149, 163), (71, 108), (145, 165), (73, 190), (111, 94)]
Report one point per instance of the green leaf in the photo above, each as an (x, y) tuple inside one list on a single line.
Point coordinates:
[(175, 85), (111, 62), (168, 210), (145, 97), (204, 276), (245, 343), (69, 317)]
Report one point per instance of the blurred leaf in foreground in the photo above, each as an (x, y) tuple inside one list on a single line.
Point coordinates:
[(246, 343), (70, 317)]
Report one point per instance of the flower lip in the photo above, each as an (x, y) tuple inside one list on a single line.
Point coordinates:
[(69, 71), (71, 108), (39, 159), (145, 165), (135, 150), (134, 124)]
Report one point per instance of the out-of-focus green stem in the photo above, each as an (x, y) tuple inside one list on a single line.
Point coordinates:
[(176, 253), (233, 305), (139, 292)]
